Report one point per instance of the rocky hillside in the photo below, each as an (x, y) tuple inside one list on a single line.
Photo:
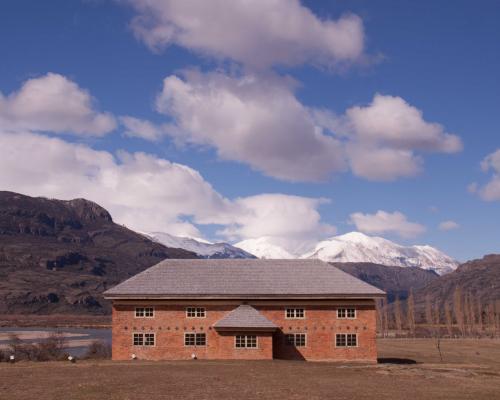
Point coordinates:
[(479, 278), (395, 281), (59, 256)]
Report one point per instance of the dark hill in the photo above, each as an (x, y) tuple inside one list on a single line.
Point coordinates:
[(395, 281), (59, 256), (479, 278)]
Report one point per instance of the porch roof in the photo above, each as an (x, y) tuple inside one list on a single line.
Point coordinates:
[(245, 317)]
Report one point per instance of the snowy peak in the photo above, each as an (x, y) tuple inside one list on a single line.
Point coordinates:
[(350, 247), (201, 247), (358, 247), (264, 248)]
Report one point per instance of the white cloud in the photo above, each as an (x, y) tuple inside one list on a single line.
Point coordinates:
[(448, 226), (258, 121), (391, 121), (148, 193), (280, 216), (382, 163), (53, 103), (258, 33), (490, 191), (135, 127), (383, 222), (385, 136)]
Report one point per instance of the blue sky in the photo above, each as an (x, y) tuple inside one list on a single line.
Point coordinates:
[(440, 58)]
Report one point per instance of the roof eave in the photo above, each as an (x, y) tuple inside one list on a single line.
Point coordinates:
[(242, 297), (244, 329)]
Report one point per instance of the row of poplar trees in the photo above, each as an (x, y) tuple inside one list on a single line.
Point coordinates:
[(465, 316)]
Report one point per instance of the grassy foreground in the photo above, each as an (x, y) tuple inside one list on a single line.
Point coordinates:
[(470, 370)]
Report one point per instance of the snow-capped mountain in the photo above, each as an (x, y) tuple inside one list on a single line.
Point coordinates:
[(351, 247), (358, 247), (201, 247), (263, 248)]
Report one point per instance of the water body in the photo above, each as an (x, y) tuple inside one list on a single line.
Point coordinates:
[(78, 339)]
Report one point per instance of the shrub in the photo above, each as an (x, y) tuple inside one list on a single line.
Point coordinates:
[(3, 355), (49, 349), (98, 350)]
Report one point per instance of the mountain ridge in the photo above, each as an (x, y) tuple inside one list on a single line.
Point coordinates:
[(58, 256), (359, 248), (203, 248)]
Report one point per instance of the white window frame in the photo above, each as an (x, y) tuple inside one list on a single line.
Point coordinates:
[(245, 340), (143, 336), (195, 339), (295, 334), (345, 310), (136, 312), (293, 311), (199, 312), (346, 341)]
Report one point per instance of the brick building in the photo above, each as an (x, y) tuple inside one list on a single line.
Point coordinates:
[(244, 309)]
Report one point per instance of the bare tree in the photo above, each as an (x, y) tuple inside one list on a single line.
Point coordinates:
[(397, 315), (380, 324), (490, 319), (479, 312), (458, 309), (386, 318), (467, 316), (437, 328), (472, 314), (428, 313), (497, 317), (448, 318), (410, 313)]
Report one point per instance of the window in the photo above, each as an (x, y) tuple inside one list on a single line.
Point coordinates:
[(195, 312), (195, 339), (144, 312), (245, 341), (346, 340), (297, 313), (349, 313), (144, 339), (296, 339)]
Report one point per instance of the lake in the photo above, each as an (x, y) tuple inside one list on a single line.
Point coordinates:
[(78, 338)]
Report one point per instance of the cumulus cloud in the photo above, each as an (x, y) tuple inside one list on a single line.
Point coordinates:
[(385, 135), (257, 33), (278, 216), (382, 163), (391, 121), (383, 222), (148, 193), (490, 191), (135, 127), (255, 120), (448, 226), (53, 103)]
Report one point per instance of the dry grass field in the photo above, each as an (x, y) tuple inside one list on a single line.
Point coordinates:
[(410, 369)]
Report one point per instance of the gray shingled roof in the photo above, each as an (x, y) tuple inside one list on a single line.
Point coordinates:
[(245, 317), (242, 278)]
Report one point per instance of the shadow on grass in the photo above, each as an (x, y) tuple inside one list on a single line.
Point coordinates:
[(395, 361)]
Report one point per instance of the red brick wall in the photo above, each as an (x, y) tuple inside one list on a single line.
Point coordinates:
[(320, 326), (170, 323)]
